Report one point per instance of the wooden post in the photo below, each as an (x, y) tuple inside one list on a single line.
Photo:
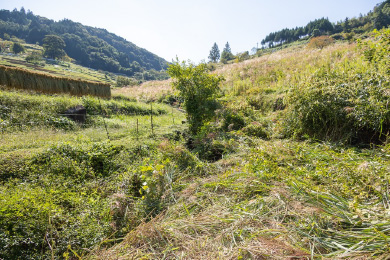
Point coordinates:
[(151, 117), (173, 118), (137, 129)]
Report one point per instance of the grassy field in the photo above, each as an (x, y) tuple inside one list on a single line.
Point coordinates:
[(295, 165), (149, 91), (33, 131)]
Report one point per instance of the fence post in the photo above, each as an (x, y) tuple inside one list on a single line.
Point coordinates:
[(105, 125), (137, 129), (151, 117), (173, 118)]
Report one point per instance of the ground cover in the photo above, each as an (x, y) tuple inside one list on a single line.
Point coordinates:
[(295, 165)]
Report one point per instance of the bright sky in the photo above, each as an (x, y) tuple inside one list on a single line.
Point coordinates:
[(188, 29)]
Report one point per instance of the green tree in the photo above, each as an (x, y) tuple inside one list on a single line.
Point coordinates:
[(380, 20), (17, 48), (316, 33), (198, 89), (214, 53), (34, 57), (243, 56), (6, 37), (346, 25), (54, 47), (227, 54)]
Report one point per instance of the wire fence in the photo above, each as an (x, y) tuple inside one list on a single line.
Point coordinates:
[(138, 124)]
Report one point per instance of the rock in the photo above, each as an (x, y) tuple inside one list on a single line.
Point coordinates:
[(77, 114)]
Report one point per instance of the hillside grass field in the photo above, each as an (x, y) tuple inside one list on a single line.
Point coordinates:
[(295, 165)]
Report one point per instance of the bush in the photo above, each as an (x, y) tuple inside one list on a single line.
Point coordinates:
[(320, 42), (232, 121), (211, 144), (61, 123), (125, 81), (17, 48), (54, 205), (78, 163), (257, 129), (34, 57), (242, 56), (198, 89), (348, 102), (37, 222), (157, 178)]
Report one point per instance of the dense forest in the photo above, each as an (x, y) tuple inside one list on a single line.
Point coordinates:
[(92, 47), (376, 19)]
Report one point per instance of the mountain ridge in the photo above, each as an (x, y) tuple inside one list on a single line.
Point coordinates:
[(88, 46)]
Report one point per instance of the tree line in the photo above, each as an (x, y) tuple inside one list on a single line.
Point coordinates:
[(376, 19), (88, 46)]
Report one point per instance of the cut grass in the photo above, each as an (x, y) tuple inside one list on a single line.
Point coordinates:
[(255, 209)]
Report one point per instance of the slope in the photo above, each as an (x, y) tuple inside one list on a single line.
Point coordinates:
[(90, 47), (274, 192), (282, 172)]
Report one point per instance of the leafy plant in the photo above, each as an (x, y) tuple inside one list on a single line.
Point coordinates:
[(198, 89)]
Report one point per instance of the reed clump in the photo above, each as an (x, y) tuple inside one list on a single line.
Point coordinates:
[(40, 82)]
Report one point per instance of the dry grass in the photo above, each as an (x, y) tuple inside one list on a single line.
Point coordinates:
[(149, 91), (280, 69), (40, 82), (215, 226)]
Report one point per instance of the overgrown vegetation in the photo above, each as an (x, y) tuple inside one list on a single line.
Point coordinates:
[(62, 195), (294, 163), (22, 111), (346, 101)]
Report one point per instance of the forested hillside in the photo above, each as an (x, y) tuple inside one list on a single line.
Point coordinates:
[(88, 46), (378, 18)]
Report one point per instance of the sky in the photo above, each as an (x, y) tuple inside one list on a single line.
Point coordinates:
[(188, 29)]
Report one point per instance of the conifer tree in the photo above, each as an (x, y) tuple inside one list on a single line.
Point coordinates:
[(226, 54), (214, 53)]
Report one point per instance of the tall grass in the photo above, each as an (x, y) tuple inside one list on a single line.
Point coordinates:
[(346, 101), (20, 110), (24, 79), (149, 91)]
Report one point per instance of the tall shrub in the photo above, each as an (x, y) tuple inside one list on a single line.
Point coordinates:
[(198, 89)]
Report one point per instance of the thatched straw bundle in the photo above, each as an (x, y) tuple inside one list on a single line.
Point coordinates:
[(40, 82)]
